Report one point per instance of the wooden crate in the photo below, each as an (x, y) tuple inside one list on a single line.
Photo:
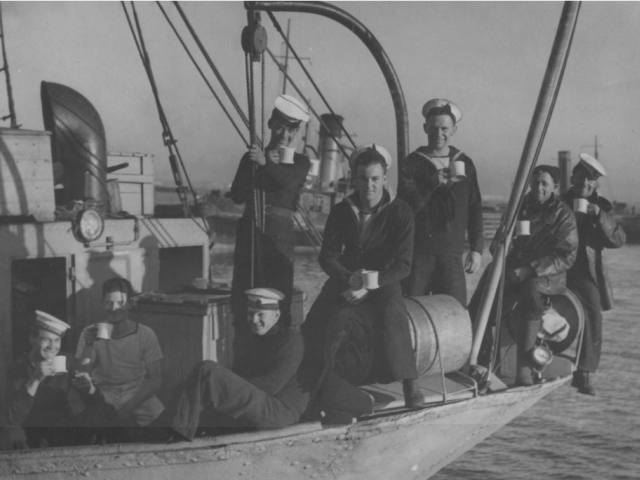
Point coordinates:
[(135, 181), (26, 174)]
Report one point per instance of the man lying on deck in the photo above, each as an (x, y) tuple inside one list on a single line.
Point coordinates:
[(47, 406), (366, 231), (265, 394)]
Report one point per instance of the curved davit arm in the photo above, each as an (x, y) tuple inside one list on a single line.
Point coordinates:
[(353, 24), (78, 143)]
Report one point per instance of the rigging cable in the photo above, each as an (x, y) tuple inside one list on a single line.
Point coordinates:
[(193, 60), (212, 65), (5, 68), (175, 159), (304, 69)]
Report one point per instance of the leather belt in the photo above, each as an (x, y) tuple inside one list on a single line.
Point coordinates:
[(274, 210)]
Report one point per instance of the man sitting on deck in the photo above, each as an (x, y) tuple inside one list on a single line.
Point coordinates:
[(125, 367), (597, 230), (367, 231), (46, 405), (265, 394), (537, 263)]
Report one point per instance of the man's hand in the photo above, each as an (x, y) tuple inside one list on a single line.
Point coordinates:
[(473, 262), (82, 381), (444, 176), (90, 334), (520, 274), (593, 210), (355, 297), (355, 280), (43, 370), (256, 155)]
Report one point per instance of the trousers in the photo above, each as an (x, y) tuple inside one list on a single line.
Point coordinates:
[(587, 292), (436, 274), (211, 388)]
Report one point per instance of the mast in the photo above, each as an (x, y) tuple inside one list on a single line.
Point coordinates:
[(5, 69)]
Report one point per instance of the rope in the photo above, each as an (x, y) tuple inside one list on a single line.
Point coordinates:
[(279, 65), (212, 65), (304, 69), (193, 60), (175, 159)]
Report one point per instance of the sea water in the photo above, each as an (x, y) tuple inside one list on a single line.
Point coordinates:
[(566, 435)]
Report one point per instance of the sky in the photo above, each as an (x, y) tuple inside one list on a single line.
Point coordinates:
[(488, 58)]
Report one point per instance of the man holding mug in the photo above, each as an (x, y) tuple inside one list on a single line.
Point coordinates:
[(367, 232), (447, 206), (597, 230), (273, 179), (125, 360), (46, 402)]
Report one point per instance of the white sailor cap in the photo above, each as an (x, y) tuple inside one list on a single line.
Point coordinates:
[(47, 322), (592, 165), (368, 146), (264, 298), (445, 107), (291, 109)]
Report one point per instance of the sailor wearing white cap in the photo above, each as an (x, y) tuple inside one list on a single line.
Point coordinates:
[(453, 206), (263, 391), (597, 230), (43, 399), (264, 252)]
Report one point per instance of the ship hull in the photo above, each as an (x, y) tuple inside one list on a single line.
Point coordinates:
[(406, 445)]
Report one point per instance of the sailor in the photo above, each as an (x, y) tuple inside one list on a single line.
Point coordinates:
[(446, 206), (45, 400), (280, 175), (265, 394), (368, 231), (126, 367), (537, 263), (587, 278)]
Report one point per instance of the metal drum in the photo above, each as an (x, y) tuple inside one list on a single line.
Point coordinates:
[(440, 327)]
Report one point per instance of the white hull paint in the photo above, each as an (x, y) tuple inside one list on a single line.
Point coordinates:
[(409, 445)]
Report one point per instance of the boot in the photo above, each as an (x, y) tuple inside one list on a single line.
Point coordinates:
[(413, 397), (581, 382), (526, 342)]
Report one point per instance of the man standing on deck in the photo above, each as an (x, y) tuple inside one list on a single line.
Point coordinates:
[(587, 278), (275, 182), (265, 394), (125, 367), (445, 207)]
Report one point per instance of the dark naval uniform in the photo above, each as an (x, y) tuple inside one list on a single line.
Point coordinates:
[(281, 184), (266, 392), (385, 245), (442, 216), (48, 418), (587, 278)]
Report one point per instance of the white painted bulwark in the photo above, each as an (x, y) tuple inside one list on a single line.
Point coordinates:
[(26, 174)]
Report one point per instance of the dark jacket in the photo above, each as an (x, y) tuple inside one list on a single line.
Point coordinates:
[(595, 234), (551, 247), (55, 403), (281, 183), (442, 214), (273, 367), (387, 249)]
